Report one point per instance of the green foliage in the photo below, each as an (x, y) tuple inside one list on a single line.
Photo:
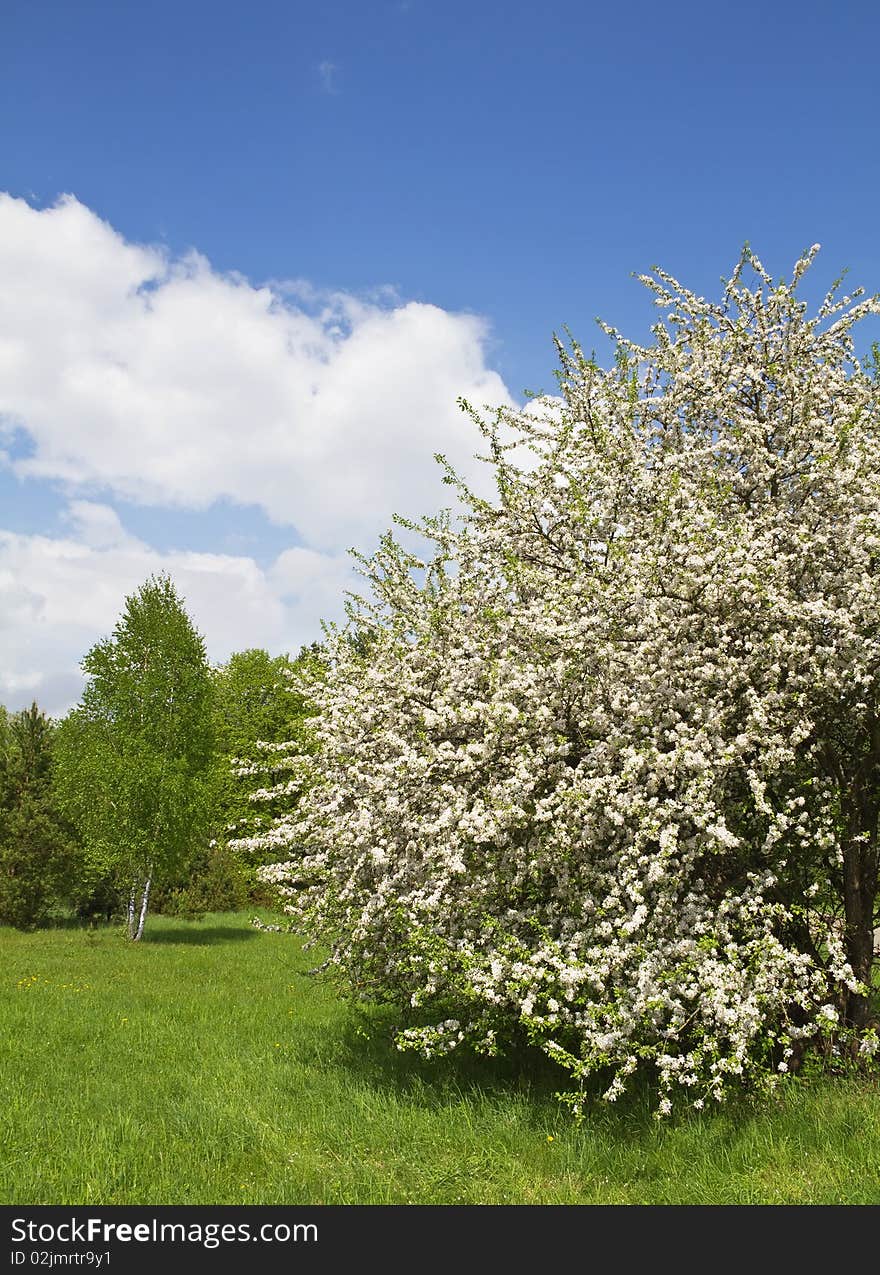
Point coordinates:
[(253, 700), (135, 759), (257, 701), (38, 854), (35, 862), (96, 898), (216, 882)]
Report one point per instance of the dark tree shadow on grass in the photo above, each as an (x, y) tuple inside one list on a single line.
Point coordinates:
[(207, 936), (92, 925), (158, 930), (366, 1050)]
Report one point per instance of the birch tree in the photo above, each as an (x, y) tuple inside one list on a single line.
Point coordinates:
[(135, 758)]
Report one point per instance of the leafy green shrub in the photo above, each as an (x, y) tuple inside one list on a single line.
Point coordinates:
[(97, 900), (216, 882)]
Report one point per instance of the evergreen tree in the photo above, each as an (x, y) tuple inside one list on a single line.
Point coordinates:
[(37, 849)]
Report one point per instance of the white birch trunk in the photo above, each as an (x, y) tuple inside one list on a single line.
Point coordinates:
[(131, 914), (144, 901)]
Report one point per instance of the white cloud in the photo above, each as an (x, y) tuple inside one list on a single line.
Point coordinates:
[(169, 384), (133, 375), (97, 526), (58, 596)]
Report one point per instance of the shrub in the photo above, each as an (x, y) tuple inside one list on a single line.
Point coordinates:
[(216, 882)]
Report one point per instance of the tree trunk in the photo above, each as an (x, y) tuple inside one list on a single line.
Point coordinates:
[(144, 901), (859, 891), (131, 913)]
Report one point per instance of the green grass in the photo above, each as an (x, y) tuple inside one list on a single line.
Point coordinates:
[(204, 1066)]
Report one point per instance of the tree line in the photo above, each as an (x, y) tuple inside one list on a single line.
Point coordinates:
[(134, 795)]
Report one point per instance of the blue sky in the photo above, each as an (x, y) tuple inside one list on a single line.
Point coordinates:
[(392, 204)]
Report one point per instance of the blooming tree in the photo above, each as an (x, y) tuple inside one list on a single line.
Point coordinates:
[(604, 768)]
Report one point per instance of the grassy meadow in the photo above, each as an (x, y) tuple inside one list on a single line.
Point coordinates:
[(206, 1066)]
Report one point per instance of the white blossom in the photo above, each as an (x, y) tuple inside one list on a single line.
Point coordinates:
[(581, 772)]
